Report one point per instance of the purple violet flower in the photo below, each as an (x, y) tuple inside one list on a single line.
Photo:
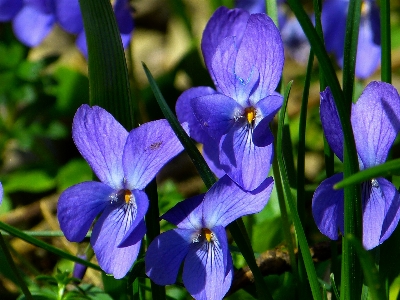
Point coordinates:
[(79, 269), (294, 39), (333, 18), (375, 119), (125, 163), (1, 193), (34, 19), (200, 239), (244, 55)]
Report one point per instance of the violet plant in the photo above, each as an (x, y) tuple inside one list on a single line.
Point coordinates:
[(245, 60), (125, 163), (200, 239), (375, 119)]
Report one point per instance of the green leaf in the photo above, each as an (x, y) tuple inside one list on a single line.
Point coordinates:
[(75, 171), (34, 241), (301, 237), (387, 169), (371, 274), (34, 181), (108, 73)]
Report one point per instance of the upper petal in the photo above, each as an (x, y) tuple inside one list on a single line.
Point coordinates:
[(247, 164), (368, 52), (186, 214), (123, 15), (226, 201), (327, 207), (9, 8), (79, 205), (205, 268), (261, 49), (100, 139), (216, 113), (223, 23), (69, 15), (375, 119), (184, 111), (166, 253), (331, 123), (333, 19), (226, 80), (148, 148), (32, 25), (109, 231), (252, 6)]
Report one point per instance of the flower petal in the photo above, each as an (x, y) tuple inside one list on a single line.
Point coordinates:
[(331, 123), (100, 139), (205, 268), (81, 43), (1, 193), (392, 208), (9, 8), (223, 69), (226, 201), (223, 23), (123, 16), (79, 205), (141, 204), (31, 25), (247, 164), (186, 214), (261, 49), (216, 113), (165, 255), (148, 148), (327, 207), (375, 120), (373, 214), (333, 19), (266, 110), (108, 233), (252, 6), (368, 52), (69, 15), (211, 156), (184, 111)]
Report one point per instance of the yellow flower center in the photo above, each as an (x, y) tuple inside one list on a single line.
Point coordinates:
[(250, 114), (207, 234), (127, 196)]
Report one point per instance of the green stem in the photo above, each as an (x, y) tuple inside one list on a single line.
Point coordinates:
[(153, 230), (12, 265), (272, 10), (386, 65)]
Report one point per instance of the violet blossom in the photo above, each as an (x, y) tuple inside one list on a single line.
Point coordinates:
[(200, 239), (32, 20), (125, 163), (333, 18), (375, 120), (244, 55)]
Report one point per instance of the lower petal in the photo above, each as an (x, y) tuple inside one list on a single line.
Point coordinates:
[(205, 273), (247, 164), (79, 205), (165, 255), (108, 232), (392, 208), (327, 207)]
